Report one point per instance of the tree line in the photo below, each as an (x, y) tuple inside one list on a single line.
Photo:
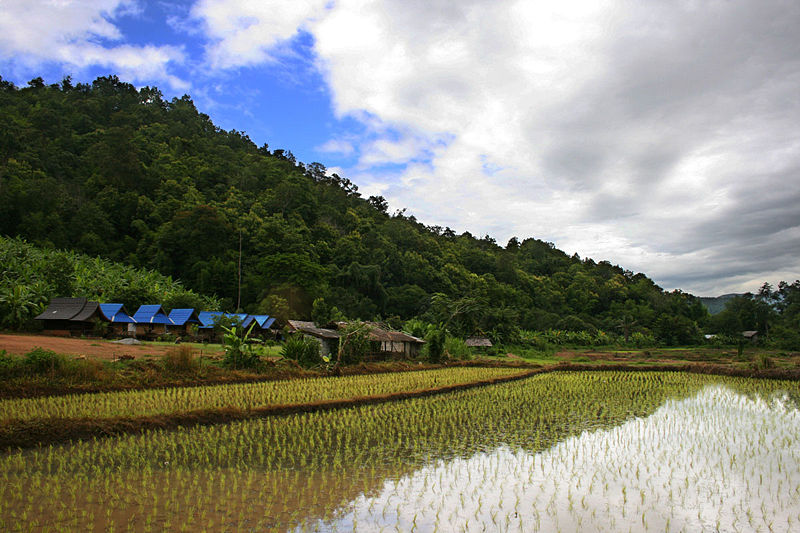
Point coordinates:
[(123, 174)]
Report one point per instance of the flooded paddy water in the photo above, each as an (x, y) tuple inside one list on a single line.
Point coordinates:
[(595, 451)]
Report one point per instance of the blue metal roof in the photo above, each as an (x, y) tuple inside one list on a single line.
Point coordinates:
[(207, 318), (151, 314), (116, 313), (180, 317), (263, 321)]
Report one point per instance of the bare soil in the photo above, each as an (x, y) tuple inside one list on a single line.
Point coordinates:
[(20, 344)]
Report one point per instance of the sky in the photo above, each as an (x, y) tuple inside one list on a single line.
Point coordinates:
[(660, 136)]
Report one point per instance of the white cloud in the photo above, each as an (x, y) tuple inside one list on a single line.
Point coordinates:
[(337, 146), (659, 136), (247, 32), (35, 32)]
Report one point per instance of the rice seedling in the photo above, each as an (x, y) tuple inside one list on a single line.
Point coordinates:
[(538, 453), (239, 396)]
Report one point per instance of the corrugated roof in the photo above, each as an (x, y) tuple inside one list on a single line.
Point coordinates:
[(319, 332), (207, 318), (181, 317), (116, 313), (377, 333), (151, 314), (90, 310), (263, 321), (299, 324), (63, 309)]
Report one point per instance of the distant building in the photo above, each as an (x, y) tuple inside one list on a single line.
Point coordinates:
[(328, 339), (182, 320), (394, 342), (122, 323), (478, 342), (71, 316), (151, 321), (265, 326), (752, 336)]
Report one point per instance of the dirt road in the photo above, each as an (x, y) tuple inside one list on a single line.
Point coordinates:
[(95, 348)]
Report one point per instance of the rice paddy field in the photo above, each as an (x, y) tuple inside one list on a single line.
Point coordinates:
[(562, 451), (247, 396)]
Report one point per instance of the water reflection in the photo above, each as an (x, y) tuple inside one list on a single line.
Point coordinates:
[(719, 461)]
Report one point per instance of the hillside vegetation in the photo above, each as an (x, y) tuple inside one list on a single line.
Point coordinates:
[(30, 276), (114, 172)]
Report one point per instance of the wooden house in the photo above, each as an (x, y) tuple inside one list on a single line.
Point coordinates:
[(122, 323), (208, 319), (151, 321), (328, 339), (265, 326), (71, 316), (481, 343), (182, 321), (388, 342), (751, 336)]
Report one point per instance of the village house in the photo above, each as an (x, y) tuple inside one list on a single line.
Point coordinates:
[(182, 321), (328, 339), (71, 316), (122, 323), (151, 321)]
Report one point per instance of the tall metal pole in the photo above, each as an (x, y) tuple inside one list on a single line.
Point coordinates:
[(239, 295)]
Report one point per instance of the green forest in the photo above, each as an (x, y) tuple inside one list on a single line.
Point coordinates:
[(153, 187)]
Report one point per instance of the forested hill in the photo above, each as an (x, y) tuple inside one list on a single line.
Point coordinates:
[(112, 171)]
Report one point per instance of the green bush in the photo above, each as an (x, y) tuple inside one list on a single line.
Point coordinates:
[(455, 348), (240, 350), (353, 343), (41, 361), (435, 345), (9, 365), (303, 350)]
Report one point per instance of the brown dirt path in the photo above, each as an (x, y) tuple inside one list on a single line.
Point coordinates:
[(93, 348)]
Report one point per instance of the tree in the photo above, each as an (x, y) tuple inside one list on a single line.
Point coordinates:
[(379, 203), (275, 306), (323, 315), (353, 344), (19, 304)]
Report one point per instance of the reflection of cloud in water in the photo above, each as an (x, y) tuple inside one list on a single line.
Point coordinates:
[(717, 462)]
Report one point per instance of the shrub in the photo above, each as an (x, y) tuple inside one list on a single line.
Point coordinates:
[(455, 348), (417, 328), (435, 347), (762, 362), (180, 359), (240, 350), (8, 365), (41, 361), (303, 350), (353, 343)]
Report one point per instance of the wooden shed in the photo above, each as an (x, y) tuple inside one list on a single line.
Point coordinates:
[(182, 320), (151, 321), (122, 323), (478, 342), (328, 339), (265, 326), (390, 342), (71, 316)]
